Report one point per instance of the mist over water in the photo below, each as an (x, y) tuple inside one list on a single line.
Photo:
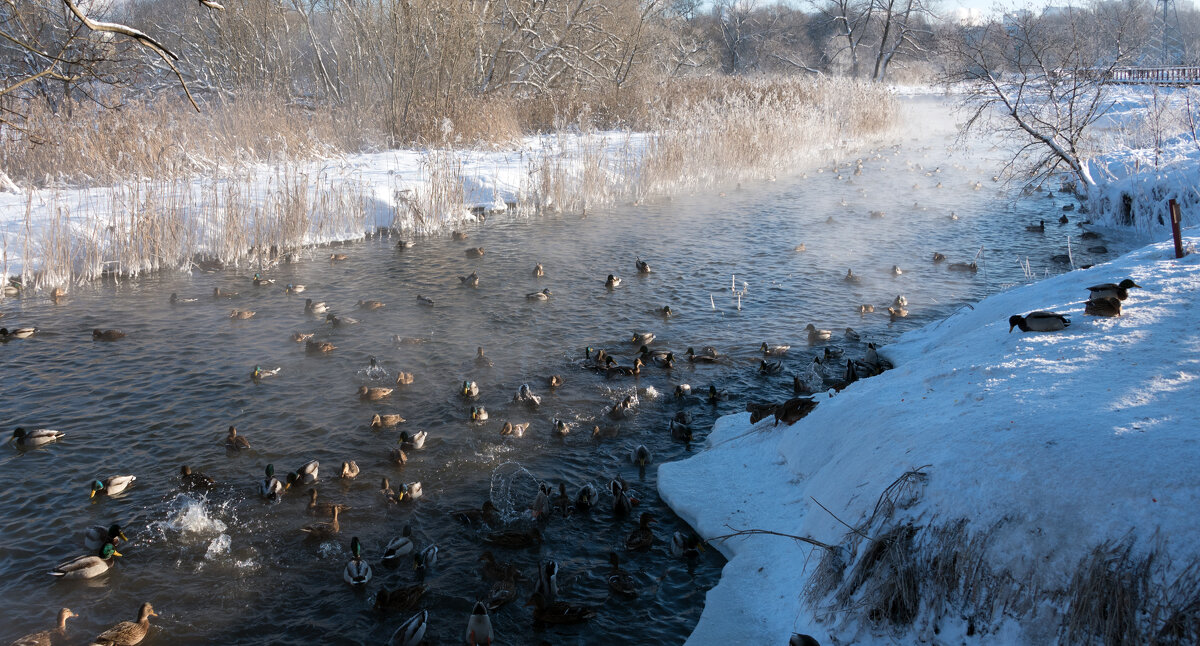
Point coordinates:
[(227, 567)]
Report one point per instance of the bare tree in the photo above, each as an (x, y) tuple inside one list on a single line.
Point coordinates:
[(850, 21), (903, 25)]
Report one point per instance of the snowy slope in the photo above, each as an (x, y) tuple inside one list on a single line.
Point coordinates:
[(1055, 442)]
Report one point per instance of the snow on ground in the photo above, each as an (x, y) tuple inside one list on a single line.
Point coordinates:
[(1056, 442)]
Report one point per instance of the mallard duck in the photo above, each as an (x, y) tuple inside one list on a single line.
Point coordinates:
[(458, 235), (338, 257), (706, 355), (538, 271), (525, 396), (469, 389), (640, 455), (319, 347), (939, 257), (832, 352), (405, 244), (501, 593), (479, 414), (970, 267), (234, 441), (561, 428), (270, 488), (1109, 306), (642, 537), (612, 282), (194, 481), (424, 561), (586, 498), (97, 535), (1040, 227), (381, 421), (793, 410), (866, 309), (852, 336), (128, 633), (769, 368), (373, 393), (686, 545), (424, 300), (774, 350), (259, 281), (900, 301), (105, 335), (613, 370), (802, 247), (800, 639), (683, 390), (323, 531), (485, 515), (896, 270), (410, 491), (897, 313), (307, 473), (338, 321), (619, 580), (543, 295), (403, 598), (349, 470), (357, 571), (414, 442), (300, 337), (680, 432), (412, 631), (546, 583), (111, 485), (479, 626), (318, 307), (622, 505), (16, 333), (1089, 235), (643, 267), (400, 547), (319, 508), (55, 635), (294, 289), (624, 408), (385, 488), (369, 305), (816, 335), (470, 280), (1039, 321), (515, 430), (474, 252), (555, 381), (494, 569), (851, 277), (642, 338), (715, 395), (559, 612), (223, 293), (515, 539), (38, 437), (175, 300), (241, 314), (398, 457), (87, 566), (1118, 290)]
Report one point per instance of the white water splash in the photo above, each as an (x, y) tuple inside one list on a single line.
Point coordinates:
[(218, 548), (189, 515)]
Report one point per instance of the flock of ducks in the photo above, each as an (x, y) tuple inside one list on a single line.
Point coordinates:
[(1103, 300)]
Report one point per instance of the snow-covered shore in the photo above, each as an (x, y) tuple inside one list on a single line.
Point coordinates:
[(1048, 445)]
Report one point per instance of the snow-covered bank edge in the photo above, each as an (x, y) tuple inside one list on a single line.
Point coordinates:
[(1069, 455)]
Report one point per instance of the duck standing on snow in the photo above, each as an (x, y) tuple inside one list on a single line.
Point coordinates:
[(1039, 321), (1118, 290), (1109, 306)]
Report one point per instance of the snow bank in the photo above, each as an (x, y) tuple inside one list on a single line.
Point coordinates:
[(1049, 444)]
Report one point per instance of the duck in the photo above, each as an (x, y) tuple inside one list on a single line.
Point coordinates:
[(707, 355), (349, 470), (643, 267), (538, 271), (398, 457), (514, 430), (769, 368), (624, 408), (800, 639), (485, 515), (458, 235), (1119, 290), (686, 545), (612, 282), (479, 414), (540, 507), (501, 593), (241, 315), (793, 410), (236, 442), (680, 432), (57, 635), (424, 561), (319, 508), (111, 485), (642, 537), (897, 313), (640, 455), (586, 498), (470, 280), (369, 305), (338, 321), (88, 566), (515, 539), (104, 335), (338, 257), (479, 626), (258, 373), (851, 277), (774, 350), (852, 336), (385, 488), (402, 598), (194, 481), (970, 267), (389, 420), (642, 338), (1108, 306), (481, 360), (175, 300), (554, 381), (561, 428), (319, 347), (223, 293), (547, 580), (1039, 321), (816, 335), (270, 488), (1040, 227), (543, 295), (938, 257), (613, 370), (900, 301), (293, 288), (128, 633), (315, 308), (559, 612), (410, 491), (16, 333), (896, 270), (326, 530), (494, 569), (525, 396), (802, 247), (414, 442), (474, 252), (469, 389), (23, 439), (424, 300), (866, 309), (259, 281), (622, 504), (373, 393), (400, 547), (619, 580), (405, 244), (715, 395), (412, 631), (97, 535)]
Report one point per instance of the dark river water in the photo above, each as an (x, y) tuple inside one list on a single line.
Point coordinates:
[(227, 567)]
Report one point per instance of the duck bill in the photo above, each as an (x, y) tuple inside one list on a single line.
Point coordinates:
[(116, 553), (92, 493), (122, 535)]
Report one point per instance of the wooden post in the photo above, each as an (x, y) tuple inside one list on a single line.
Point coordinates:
[(1175, 217)]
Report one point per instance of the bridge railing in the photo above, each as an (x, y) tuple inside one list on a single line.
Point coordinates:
[(1170, 75)]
